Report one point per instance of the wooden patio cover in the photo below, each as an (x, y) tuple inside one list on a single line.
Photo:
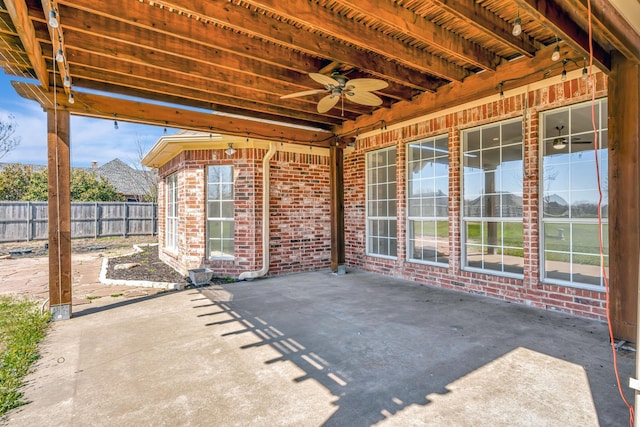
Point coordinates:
[(223, 65)]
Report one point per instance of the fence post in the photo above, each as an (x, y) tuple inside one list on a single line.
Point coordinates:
[(95, 222), (124, 219), (28, 221)]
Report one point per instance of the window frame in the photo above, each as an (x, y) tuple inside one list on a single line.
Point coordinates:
[(219, 218), (572, 221), (172, 209), (499, 220), (390, 219), (412, 219)]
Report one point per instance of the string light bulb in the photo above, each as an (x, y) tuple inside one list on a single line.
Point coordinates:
[(556, 53), (53, 19), (71, 98), (585, 72), (517, 25), (115, 121), (67, 81), (60, 56)]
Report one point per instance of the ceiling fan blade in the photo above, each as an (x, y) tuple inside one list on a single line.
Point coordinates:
[(364, 98), (303, 93), (324, 80), (327, 103), (367, 84)]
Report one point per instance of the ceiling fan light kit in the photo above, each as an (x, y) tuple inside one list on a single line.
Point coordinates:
[(339, 87)]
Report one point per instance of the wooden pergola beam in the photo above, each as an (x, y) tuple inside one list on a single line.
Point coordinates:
[(104, 107), (191, 103), (550, 14), (522, 71), (18, 12)]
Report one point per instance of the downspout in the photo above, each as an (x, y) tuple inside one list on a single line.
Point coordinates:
[(265, 217)]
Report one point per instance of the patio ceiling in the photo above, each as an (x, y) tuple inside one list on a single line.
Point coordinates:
[(236, 58)]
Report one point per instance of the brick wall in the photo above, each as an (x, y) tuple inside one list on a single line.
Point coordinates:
[(528, 290), (299, 211)]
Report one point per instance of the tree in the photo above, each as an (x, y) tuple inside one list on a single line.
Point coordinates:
[(19, 182), (146, 179), (7, 140), (38, 189), (14, 182), (87, 187)]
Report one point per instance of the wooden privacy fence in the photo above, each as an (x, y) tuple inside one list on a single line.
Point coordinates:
[(21, 221)]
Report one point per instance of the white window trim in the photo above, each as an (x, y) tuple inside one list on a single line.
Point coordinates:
[(171, 183), (464, 219), (541, 219), (367, 217), (409, 218), (219, 219)]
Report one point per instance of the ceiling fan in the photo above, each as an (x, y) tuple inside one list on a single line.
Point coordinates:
[(559, 142), (340, 87)]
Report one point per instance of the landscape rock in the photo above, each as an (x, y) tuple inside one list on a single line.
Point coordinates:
[(126, 266)]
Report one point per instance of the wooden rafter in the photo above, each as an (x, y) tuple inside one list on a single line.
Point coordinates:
[(284, 42), (56, 36), (551, 14), (98, 106), (356, 34), (17, 9), (475, 15), (426, 31), (607, 20)]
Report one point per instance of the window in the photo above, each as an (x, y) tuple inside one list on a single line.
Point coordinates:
[(492, 198), (381, 203), (428, 200), (171, 232), (570, 243), (220, 211)]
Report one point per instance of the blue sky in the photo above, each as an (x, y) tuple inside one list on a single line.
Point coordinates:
[(91, 139)]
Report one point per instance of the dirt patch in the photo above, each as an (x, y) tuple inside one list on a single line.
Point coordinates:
[(107, 245)]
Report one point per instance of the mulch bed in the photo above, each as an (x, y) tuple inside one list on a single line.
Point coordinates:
[(150, 268)]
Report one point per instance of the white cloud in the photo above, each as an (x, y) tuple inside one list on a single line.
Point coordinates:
[(91, 139)]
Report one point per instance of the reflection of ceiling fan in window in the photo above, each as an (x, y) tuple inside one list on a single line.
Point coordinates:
[(340, 87), (560, 142)]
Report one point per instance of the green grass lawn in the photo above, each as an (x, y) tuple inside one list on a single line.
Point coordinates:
[(21, 328)]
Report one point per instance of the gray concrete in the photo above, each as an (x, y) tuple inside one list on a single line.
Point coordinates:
[(320, 349)]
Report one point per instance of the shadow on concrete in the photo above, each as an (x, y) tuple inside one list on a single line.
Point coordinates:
[(384, 346), (85, 310)]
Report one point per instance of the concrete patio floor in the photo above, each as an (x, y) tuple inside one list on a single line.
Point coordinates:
[(319, 349)]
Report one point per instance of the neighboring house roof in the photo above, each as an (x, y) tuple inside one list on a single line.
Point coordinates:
[(124, 178)]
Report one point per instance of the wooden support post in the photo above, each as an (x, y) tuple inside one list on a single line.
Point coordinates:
[(59, 209), (336, 160), (624, 196)]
